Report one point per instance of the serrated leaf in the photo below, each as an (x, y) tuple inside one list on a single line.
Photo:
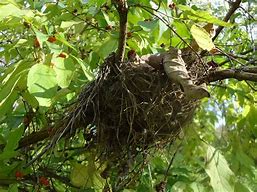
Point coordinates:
[(202, 38), (219, 172), (42, 83), (64, 69)]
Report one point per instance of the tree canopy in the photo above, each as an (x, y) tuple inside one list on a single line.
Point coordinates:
[(51, 50)]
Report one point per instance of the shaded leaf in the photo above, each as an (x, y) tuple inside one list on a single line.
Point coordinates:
[(85, 69), (107, 47), (12, 143)]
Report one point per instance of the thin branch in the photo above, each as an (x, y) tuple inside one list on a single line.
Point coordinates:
[(250, 50), (233, 7), (122, 9)]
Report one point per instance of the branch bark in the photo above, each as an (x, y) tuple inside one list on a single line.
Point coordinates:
[(233, 7), (122, 9), (239, 74)]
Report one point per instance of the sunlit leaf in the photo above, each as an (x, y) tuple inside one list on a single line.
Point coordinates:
[(86, 176), (202, 38), (10, 10), (67, 24), (42, 83), (64, 69), (219, 172)]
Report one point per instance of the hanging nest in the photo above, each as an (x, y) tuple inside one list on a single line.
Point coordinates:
[(131, 107)]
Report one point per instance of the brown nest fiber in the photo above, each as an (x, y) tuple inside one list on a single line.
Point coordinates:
[(130, 107)]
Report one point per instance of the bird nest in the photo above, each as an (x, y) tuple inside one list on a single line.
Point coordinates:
[(130, 107)]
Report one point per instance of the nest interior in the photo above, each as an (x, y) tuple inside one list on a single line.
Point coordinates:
[(131, 107)]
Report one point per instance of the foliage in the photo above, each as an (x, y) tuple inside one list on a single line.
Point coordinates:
[(50, 49)]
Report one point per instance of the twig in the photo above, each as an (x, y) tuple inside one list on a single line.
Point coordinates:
[(122, 9), (233, 7), (171, 162)]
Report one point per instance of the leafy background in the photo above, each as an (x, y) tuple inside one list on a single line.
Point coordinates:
[(50, 49)]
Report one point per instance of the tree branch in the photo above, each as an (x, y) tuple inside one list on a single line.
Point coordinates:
[(247, 74), (233, 7), (122, 9)]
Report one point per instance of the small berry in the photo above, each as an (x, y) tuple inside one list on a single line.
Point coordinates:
[(62, 55), (212, 64), (19, 175), (44, 181), (132, 55), (214, 51), (51, 39), (36, 43), (49, 131), (172, 6), (26, 121), (108, 27), (26, 24), (129, 34)]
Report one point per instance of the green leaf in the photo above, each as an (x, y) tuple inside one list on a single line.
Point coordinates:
[(241, 188), (203, 16), (61, 37), (86, 176), (30, 99), (148, 25), (6, 105), (10, 10), (202, 38), (12, 143), (181, 29), (67, 24), (107, 47), (219, 172), (41, 37), (85, 69), (13, 188), (42, 83), (64, 69), (11, 76)]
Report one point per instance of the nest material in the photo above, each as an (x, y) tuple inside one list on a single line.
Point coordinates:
[(131, 107)]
